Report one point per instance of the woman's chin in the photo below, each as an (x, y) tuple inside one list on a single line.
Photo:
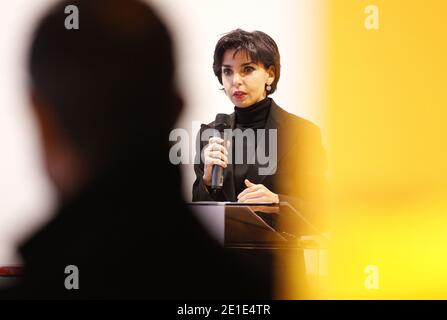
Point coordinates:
[(241, 104)]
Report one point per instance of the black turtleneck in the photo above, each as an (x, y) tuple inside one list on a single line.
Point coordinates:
[(252, 117)]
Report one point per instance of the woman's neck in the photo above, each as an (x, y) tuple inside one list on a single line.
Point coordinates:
[(254, 115)]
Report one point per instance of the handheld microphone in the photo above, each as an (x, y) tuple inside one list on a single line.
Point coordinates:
[(220, 124)]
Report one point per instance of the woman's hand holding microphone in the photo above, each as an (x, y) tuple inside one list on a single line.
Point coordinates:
[(214, 153)]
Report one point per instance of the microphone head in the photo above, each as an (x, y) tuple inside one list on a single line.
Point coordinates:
[(222, 121)]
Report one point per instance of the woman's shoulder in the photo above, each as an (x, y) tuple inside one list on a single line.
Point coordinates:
[(284, 117)]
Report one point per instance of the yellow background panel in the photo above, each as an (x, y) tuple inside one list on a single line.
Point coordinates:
[(386, 112)]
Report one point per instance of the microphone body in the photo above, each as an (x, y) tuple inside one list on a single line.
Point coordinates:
[(221, 123), (217, 177)]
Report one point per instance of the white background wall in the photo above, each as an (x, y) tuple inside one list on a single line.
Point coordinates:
[(295, 25), (26, 196)]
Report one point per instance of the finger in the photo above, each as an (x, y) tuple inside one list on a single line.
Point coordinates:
[(255, 200), (247, 190), (217, 147), (218, 155), (248, 183), (216, 140), (214, 161), (250, 189), (251, 195)]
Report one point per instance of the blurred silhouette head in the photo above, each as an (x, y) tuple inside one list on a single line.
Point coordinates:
[(103, 92)]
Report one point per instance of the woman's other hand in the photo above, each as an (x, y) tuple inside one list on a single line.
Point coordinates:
[(256, 193)]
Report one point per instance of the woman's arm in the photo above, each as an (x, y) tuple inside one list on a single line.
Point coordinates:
[(214, 154)]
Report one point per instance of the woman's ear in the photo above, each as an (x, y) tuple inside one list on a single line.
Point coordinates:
[(271, 75)]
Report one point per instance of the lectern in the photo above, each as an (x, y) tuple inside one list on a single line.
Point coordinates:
[(273, 238), (256, 224)]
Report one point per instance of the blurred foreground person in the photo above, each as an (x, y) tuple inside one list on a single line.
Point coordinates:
[(104, 101)]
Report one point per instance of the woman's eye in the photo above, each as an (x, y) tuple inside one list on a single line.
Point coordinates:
[(227, 72), (248, 69)]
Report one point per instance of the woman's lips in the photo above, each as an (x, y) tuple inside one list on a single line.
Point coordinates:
[(239, 94)]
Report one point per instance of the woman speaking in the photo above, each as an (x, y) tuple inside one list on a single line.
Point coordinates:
[(247, 64)]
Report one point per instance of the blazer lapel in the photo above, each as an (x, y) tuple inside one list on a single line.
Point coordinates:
[(277, 120)]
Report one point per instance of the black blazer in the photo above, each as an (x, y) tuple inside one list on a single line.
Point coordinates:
[(299, 175)]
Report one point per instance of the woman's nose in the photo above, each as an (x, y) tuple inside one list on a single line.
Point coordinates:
[(237, 79)]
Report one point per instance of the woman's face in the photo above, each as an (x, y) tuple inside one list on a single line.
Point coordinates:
[(244, 81)]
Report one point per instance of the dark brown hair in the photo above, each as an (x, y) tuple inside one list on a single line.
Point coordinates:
[(259, 46)]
